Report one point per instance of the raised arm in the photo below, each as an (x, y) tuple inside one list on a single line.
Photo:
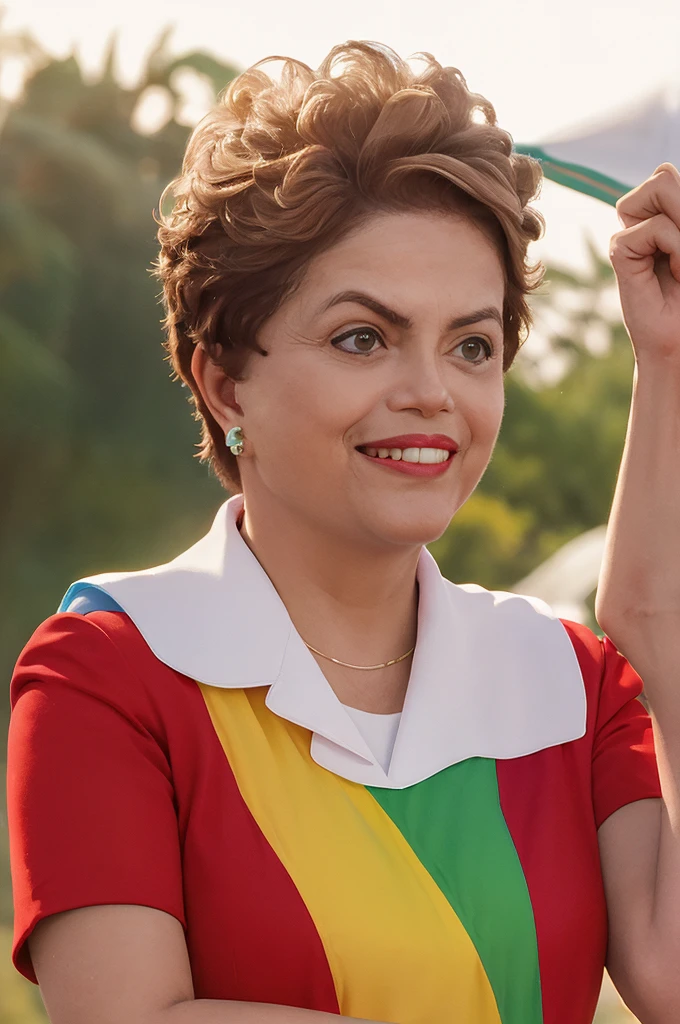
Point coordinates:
[(638, 602)]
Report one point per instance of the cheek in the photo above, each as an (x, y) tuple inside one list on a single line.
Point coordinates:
[(296, 405), (482, 404)]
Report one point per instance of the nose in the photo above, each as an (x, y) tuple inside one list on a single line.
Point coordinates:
[(421, 387)]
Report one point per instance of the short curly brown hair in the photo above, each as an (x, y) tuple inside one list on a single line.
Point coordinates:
[(280, 171)]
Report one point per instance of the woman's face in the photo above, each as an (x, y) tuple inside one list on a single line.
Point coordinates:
[(372, 379)]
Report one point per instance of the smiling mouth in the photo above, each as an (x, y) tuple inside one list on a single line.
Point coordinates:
[(422, 456)]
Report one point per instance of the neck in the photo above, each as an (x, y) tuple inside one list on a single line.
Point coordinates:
[(353, 602)]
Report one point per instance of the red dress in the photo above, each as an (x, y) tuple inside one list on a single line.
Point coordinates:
[(473, 894)]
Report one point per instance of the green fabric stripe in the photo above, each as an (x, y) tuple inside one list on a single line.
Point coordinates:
[(577, 177), (454, 824)]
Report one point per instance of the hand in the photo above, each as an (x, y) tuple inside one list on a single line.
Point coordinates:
[(646, 259)]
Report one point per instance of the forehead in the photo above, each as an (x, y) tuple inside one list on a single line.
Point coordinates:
[(412, 257)]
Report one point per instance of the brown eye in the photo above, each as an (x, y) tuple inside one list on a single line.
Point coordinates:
[(475, 350), (361, 342)]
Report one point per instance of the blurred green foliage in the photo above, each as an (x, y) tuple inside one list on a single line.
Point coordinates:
[(96, 467), (97, 440)]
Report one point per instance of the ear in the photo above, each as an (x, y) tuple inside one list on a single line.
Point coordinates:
[(217, 390)]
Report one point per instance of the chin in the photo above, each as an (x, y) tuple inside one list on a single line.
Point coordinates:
[(412, 523)]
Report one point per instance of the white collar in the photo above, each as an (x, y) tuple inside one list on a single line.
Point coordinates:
[(494, 674)]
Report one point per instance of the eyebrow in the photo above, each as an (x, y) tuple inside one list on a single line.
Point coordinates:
[(398, 320)]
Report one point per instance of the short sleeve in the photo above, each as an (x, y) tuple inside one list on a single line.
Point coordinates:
[(624, 765), (91, 808)]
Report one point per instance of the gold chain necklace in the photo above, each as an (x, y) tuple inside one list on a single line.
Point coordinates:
[(362, 668)]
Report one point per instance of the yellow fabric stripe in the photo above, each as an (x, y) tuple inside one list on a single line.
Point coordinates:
[(396, 949)]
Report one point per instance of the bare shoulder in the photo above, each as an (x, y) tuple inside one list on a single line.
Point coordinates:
[(112, 963)]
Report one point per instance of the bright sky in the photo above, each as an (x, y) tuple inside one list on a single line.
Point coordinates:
[(545, 65)]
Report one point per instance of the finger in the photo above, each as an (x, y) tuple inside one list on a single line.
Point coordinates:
[(635, 255), (660, 193)]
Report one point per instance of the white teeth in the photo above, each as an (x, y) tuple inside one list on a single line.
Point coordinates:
[(429, 456), (433, 455)]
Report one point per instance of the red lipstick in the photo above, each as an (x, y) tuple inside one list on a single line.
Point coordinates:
[(414, 441), (403, 441)]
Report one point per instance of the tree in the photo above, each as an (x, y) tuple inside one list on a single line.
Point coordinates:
[(94, 429)]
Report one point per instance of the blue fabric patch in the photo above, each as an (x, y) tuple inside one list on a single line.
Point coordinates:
[(84, 598)]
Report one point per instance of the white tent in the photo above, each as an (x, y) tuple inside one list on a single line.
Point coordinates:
[(569, 576), (608, 156)]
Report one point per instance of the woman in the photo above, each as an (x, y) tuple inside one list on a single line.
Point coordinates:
[(295, 773)]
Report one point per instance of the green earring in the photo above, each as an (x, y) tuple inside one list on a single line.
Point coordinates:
[(234, 440)]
